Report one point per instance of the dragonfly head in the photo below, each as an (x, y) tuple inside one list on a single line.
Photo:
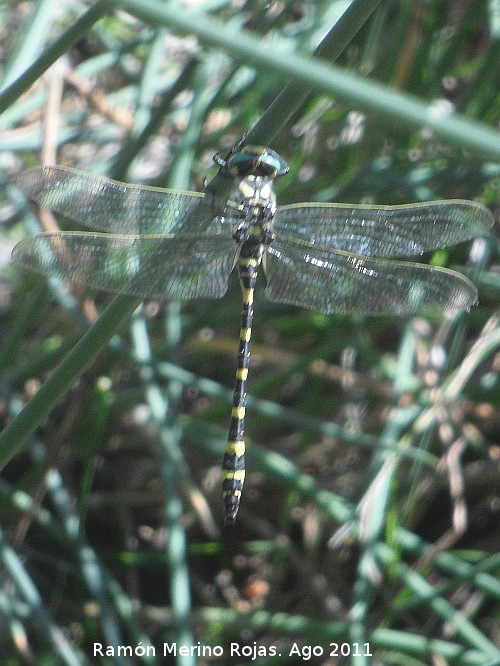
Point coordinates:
[(252, 161)]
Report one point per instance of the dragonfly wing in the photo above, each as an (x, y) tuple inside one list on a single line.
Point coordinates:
[(335, 281), (107, 205), (151, 266), (384, 231)]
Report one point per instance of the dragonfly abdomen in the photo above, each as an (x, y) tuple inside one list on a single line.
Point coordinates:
[(233, 463)]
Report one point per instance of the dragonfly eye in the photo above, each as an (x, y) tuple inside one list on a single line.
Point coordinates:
[(270, 164), (253, 161)]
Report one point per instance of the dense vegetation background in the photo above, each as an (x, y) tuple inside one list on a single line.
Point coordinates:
[(371, 508)]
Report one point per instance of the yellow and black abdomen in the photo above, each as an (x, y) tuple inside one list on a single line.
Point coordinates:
[(233, 463)]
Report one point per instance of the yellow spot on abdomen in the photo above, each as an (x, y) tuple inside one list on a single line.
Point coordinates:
[(246, 334), (238, 412), (248, 261), (236, 448), (247, 296)]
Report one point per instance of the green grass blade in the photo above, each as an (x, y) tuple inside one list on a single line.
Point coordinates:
[(80, 358), (358, 91)]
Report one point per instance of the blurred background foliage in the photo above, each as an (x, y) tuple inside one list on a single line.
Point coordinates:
[(371, 509)]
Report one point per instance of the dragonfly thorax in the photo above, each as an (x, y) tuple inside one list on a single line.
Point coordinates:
[(256, 201), (254, 169)]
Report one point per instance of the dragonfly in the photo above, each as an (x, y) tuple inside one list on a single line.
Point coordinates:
[(328, 257)]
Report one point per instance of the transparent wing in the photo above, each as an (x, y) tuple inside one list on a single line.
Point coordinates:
[(336, 281), (156, 266), (107, 205), (384, 231)]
